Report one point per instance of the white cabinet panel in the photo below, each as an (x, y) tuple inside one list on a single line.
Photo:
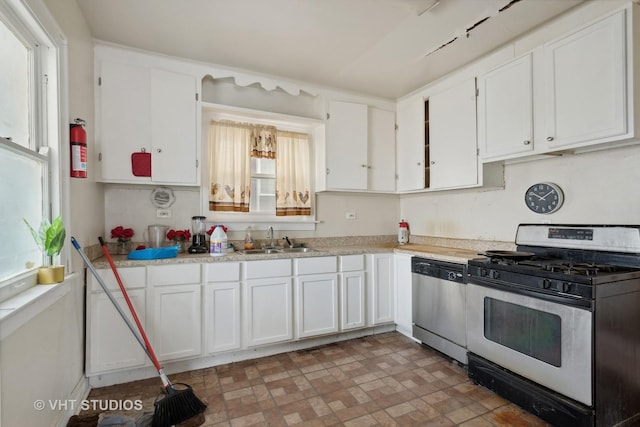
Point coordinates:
[(585, 96), (347, 146), (352, 300), (222, 271), (381, 171), (381, 279), (410, 144), (315, 265), (351, 262), (404, 295), (174, 274), (267, 268), (505, 110), (132, 278), (452, 137), (316, 305), (110, 343), (176, 324), (268, 311), (222, 316)]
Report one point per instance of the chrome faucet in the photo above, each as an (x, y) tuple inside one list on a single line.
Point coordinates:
[(270, 237)]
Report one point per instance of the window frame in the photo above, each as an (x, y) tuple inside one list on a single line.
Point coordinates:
[(33, 24), (238, 221)]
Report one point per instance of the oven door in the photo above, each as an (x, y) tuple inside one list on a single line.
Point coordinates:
[(547, 342)]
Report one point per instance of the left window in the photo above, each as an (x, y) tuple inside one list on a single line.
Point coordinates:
[(29, 136)]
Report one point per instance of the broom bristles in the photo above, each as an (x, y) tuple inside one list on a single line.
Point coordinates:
[(177, 406)]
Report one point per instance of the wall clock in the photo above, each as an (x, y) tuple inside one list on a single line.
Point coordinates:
[(544, 198)]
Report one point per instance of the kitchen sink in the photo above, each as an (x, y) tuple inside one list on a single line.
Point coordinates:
[(297, 250), (276, 251)]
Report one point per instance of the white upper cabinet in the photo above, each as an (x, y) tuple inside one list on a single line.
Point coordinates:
[(505, 110), (585, 82), (360, 143), (574, 92), (452, 137), (410, 161), (145, 109)]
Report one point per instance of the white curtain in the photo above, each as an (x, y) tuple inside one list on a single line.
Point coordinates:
[(293, 181), (229, 166)]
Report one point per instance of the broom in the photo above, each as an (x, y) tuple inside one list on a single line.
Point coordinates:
[(178, 404)]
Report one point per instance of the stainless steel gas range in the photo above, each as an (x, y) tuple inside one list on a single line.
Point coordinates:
[(555, 325)]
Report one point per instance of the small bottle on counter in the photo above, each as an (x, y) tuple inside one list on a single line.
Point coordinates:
[(248, 239)]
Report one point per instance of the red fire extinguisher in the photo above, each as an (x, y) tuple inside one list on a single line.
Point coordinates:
[(78, 149)]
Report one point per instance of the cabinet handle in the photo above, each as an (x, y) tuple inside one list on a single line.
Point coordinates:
[(363, 166), (159, 150), (419, 163), (527, 142), (549, 138), (433, 162)]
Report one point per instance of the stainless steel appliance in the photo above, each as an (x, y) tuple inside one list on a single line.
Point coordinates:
[(439, 306), (555, 325)]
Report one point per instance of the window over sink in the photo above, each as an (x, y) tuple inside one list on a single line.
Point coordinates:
[(260, 168)]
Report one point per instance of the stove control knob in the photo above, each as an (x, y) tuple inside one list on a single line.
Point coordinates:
[(451, 275), (483, 272), (566, 287), (495, 274), (546, 283)]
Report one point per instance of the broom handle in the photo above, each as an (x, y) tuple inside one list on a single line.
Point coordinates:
[(152, 355), (110, 295)]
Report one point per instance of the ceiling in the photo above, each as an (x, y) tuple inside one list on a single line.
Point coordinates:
[(384, 48)]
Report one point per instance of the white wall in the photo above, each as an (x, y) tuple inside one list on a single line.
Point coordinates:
[(599, 188)]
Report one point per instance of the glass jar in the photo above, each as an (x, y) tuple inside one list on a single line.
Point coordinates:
[(124, 246)]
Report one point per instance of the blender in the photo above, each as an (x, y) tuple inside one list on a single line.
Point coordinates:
[(199, 240)]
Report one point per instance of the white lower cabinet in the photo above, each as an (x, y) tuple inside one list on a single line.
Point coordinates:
[(175, 322), (268, 308), (404, 294), (110, 344), (222, 307), (316, 296), (352, 292), (380, 286)]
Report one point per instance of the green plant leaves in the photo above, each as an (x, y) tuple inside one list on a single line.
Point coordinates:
[(50, 236)]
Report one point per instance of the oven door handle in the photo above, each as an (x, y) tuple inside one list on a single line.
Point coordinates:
[(539, 294)]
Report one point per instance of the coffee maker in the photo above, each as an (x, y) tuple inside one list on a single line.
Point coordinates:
[(199, 239)]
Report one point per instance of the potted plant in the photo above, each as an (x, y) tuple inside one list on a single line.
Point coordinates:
[(50, 238)]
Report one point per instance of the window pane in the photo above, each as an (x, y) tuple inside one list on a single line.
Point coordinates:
[(14, 87), (261, 166), (263, 195), (18, 202)]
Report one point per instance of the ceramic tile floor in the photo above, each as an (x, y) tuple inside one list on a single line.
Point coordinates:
[(380, 380)]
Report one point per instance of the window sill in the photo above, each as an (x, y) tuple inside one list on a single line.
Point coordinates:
[(18, 310)]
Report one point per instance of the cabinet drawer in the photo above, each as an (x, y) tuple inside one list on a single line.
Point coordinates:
[(175, 274), (267, 268), (315, 265), (351, 262), (132, 278), (223, 272)]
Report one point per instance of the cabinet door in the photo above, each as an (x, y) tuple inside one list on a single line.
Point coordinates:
[(381, 288), (410, 144), (173, 128), (268, 311), (382, 139), (352, 300), (452, 137), (316, 305), (505, 110), (404, 295), (123, 124), (586, 84), (110, 343), (346, 144), (176, 326), (222, 316)]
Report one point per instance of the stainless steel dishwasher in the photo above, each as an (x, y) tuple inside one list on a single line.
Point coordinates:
[(439, 306)]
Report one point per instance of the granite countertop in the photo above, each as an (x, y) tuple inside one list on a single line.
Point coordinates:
[(442, 253)]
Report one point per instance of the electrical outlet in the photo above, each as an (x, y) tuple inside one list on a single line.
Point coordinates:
[(351, 215), (163, 213)]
